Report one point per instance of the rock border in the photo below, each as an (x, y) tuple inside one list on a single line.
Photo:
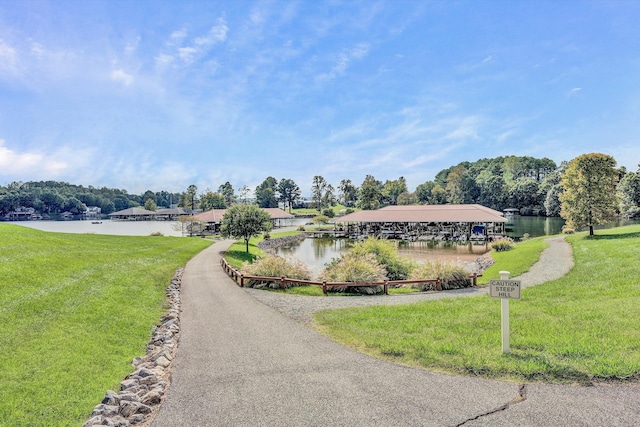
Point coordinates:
[(142, 392)]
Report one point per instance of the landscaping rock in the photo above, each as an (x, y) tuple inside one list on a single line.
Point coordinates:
[(146, 386)]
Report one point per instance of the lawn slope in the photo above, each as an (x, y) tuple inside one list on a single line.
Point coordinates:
[(75, 310)]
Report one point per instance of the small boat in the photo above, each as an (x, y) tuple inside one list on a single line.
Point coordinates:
[(96, 222)]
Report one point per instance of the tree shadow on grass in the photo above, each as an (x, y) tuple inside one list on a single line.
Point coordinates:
[(613, 236)]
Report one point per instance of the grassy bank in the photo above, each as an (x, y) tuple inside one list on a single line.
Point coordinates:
[(76, 308), (581, 328)]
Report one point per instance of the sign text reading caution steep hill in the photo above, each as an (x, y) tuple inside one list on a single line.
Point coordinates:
[(509, 289)]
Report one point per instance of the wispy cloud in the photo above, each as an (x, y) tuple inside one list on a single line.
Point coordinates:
[(120, 76), (574, 92), (343, 60), (8, 58), (189, 51)]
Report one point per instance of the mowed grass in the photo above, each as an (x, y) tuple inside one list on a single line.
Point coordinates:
[(75, 310), (582, 328)]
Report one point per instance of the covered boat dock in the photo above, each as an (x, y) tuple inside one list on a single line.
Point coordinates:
[(426, 222)]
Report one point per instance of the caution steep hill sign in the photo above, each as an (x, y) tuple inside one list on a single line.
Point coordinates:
[(508, 289)]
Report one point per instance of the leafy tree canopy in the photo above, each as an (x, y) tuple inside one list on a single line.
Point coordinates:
[(588, 197), (244, 222)]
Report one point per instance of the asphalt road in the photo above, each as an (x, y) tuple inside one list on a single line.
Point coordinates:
[(241, 363)]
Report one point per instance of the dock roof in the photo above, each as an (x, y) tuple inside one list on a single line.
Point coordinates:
[(215, 215), (426, 214)]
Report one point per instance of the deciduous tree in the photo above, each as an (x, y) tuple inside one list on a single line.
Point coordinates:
[(266, 193), (589, 191), (289, 192), (245, 222)]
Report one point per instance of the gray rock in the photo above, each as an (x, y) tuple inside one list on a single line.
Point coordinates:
[(111, 398), (152, 398)]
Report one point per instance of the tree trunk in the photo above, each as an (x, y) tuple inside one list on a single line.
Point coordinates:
[(246, 245), (590, 230)]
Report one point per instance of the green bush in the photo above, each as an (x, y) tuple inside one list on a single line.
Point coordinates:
[(568, 230), (451, 276), (386, 254), (503, 245), (274, 266), (301, 228), (320, 219), (328, 212), (356, 268)]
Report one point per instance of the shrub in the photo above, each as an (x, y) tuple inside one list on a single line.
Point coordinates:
[(274, 266), (503, 245), (526, 236), (386, 254), (349, 210), (321, 219), (568, 230), (301, 228), (451, 276), (356, 268), (156, 233), (266, 236), (328, 212)]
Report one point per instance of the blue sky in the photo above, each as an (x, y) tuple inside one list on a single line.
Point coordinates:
[(157, 95)]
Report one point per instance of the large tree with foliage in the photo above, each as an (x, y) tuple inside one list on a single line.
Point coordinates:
[(227, 192), (629, 193), (245, 222), (369, 194), (266, 193), (289, 192), (210, 200), (589, 191), (393, 189), (347, 193), (318, 189)]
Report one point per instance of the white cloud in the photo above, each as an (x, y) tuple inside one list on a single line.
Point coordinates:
[(217, 34), (187, 54), (8, 58), (177, 37), (344, 59), (573, 92), (163, 59), (120, 76), (13, 163)]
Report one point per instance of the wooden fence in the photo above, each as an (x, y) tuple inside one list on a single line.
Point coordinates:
[(240, 279)]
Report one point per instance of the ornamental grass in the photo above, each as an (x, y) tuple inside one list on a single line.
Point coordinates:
[(275, 266), (451, 276), (357, 268)]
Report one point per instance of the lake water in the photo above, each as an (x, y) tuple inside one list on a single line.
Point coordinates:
[(120, 228)]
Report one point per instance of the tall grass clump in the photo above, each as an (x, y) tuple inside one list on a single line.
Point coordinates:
[(275, 266), (451, 276), (386, 253), (503, 245), (357, 268)]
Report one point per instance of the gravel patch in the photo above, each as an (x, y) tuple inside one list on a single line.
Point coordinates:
[(554, 263)]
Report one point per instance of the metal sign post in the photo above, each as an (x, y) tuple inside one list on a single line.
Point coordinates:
[(505, 289)]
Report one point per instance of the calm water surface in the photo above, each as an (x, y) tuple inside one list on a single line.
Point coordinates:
[(120, 228)]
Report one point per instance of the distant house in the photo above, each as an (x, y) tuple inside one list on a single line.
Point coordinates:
[(133, 214), (22, 214), (92, 212)]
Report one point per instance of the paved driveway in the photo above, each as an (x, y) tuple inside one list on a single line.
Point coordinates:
[(242, 363)]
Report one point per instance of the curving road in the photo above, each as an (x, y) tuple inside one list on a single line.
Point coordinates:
[(243, 363)]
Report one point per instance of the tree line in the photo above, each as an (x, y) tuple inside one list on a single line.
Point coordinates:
[(532, 186)]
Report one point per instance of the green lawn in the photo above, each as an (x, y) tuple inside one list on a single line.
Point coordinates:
[(76, 309), (581, 328)]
